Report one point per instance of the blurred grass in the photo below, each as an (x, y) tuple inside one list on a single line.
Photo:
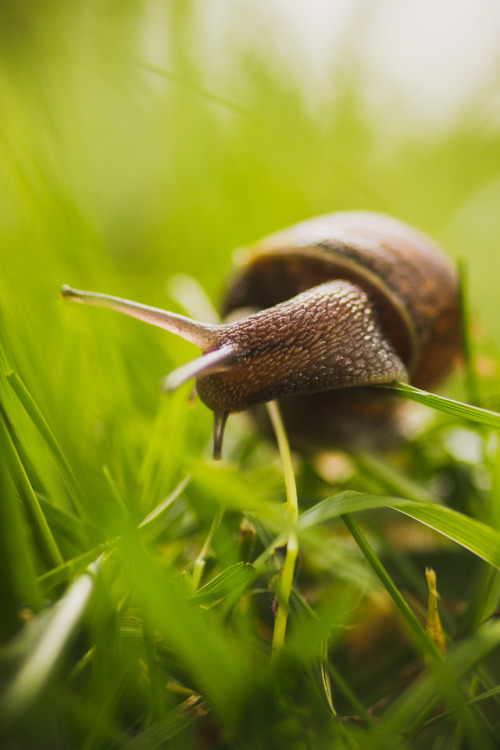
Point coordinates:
[(116, 173)]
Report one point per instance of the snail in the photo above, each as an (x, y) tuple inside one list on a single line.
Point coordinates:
[(331, 305)]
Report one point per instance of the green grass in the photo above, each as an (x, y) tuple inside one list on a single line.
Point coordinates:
[(139, 578)]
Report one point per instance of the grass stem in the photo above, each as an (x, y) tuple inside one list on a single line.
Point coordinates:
[(292, 515)]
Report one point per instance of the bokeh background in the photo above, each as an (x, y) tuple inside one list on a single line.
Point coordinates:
[(146, 138)]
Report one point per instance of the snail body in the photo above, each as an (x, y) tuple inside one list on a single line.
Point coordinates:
[(344, 301)]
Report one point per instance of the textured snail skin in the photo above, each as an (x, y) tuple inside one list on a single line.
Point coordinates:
[(327, 337)]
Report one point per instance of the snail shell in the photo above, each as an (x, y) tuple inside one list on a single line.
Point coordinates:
[(410, 285)]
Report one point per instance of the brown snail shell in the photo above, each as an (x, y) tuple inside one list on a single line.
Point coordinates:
[(412, 285), (344, 301)]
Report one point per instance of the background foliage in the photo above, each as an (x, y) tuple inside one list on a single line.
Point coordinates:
[(133, 149)]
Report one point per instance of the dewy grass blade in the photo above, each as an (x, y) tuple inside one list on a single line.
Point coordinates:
[(446, 405)]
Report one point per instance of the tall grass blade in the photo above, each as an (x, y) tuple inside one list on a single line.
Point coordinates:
[(447, 405), (156, 735), (42, 426), (471, 378), (18, 585), (421, 638), (474, 535), (40, 663), (34, 510)]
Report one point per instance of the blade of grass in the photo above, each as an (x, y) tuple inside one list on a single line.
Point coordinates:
[(199, 563), (348, 693), (486, 695), (474, 535), (121, 508), (70, 568), (152, 525), (67, 526), (220, 667), (471, 380), (42, 426), (197, 89), (18, 584), (42, 659), (157, 688), (446, 405), (149, 528), (426, 646), (393, 480), (156, 735), (232, 581), (23, 454), (292, 514), (42, 529), (412, 709)]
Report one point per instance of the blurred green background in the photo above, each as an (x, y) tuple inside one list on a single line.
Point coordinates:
[(142, 139)]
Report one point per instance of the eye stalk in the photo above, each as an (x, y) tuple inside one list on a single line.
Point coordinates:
[(201, 334)]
